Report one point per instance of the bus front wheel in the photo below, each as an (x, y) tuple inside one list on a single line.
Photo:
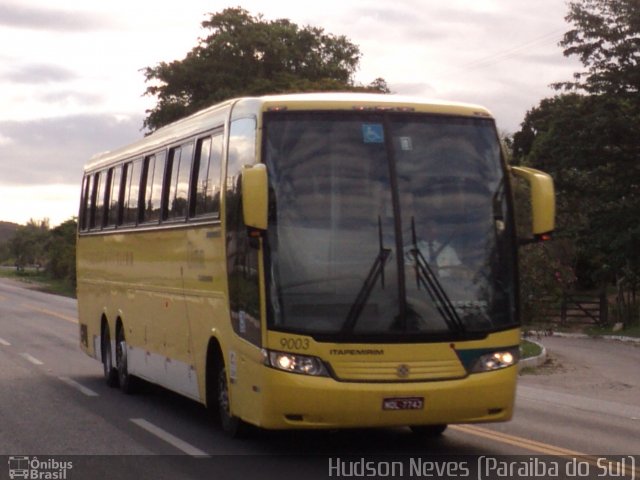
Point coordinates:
[(231, 425)]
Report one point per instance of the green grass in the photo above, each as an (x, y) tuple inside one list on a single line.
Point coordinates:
[(631, 331), (529, 349), (40, 281)]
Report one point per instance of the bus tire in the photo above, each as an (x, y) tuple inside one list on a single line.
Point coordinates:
[(110, 372), (125, 379), (233, 426), (428, 431)]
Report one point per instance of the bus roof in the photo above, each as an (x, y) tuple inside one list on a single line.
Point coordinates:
[(216, 115), (350, 101)]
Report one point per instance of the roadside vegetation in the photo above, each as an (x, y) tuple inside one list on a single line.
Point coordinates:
[(586, 137), (608, 330), (42, 256), (41, 281)]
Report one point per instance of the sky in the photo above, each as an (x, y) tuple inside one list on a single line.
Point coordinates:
[(71, 83)]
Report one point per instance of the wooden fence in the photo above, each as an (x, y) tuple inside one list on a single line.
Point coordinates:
[(576, 308)]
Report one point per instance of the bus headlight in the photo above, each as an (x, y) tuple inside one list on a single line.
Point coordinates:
[(496, 360), (294, 363)]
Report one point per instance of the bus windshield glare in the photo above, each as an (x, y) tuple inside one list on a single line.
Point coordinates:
[(387, 225)]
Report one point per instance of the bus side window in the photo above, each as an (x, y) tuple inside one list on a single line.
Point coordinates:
[(242, 258), (206, 181), (98, 199), (91, 211), (85, 205), (154, 179), (179, 172), (132, 174), (114, 214)]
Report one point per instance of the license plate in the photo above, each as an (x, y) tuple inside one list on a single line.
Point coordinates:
[(403, 403)]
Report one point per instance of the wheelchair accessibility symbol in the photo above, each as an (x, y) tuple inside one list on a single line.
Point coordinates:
[(372, 133)]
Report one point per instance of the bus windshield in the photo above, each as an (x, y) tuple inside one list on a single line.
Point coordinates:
[(387, 225)]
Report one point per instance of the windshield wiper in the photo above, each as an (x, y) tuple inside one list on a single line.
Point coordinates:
[(376, 271), (426, 278)]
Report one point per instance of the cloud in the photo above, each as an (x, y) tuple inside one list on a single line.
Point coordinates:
[(39, 73), (19, 16), (5, 140), (58, 203), (51, 151), (413, 89), (382, 23), (70, 97)]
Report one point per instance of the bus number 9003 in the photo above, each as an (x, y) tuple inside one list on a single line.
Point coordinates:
[(294, 343)]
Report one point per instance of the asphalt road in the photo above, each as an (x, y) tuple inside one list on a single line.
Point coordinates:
[(54, 404)]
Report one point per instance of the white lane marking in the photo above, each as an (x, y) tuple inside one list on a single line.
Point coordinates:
[(72, 383), (32, 359), (169, 438), (4, 342)]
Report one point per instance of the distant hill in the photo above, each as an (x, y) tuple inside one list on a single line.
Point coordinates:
[(6, 230)]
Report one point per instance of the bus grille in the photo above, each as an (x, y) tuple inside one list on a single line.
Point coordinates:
[(398, 371)]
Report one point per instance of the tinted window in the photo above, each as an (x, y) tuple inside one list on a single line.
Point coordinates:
[(180, 167), (154, 168), (242, 258), (114, 216), (85, 204), (386, 224), (207, 179), (242, 148), (98, 210), (133, 172)]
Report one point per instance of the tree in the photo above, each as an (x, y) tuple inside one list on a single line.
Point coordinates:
[(61, 254), (29, 244), (588, 140), (35, 244), (248, 55), (606, 38)]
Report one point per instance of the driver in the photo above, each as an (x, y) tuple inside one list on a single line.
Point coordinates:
[(436, 249)]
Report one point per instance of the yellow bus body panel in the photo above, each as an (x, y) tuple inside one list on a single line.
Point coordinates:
[(281, 400), (167, 287), (324, 403)]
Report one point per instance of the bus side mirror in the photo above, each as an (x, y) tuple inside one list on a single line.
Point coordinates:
[(543, 202), (255, 196)]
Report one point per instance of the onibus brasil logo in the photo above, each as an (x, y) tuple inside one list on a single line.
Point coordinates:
[(34, 469)]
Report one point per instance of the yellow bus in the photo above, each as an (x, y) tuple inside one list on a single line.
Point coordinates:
[(311, 261)]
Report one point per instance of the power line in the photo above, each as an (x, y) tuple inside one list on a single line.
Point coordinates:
[(548, 38)]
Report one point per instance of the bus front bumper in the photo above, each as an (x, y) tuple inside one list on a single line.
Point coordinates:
[(299, 401)]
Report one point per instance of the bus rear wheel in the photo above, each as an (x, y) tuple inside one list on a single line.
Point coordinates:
[(110, 372), (126, 380)]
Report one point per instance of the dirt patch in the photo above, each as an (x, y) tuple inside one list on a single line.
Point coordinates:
[(594, 368), (550, 366)]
